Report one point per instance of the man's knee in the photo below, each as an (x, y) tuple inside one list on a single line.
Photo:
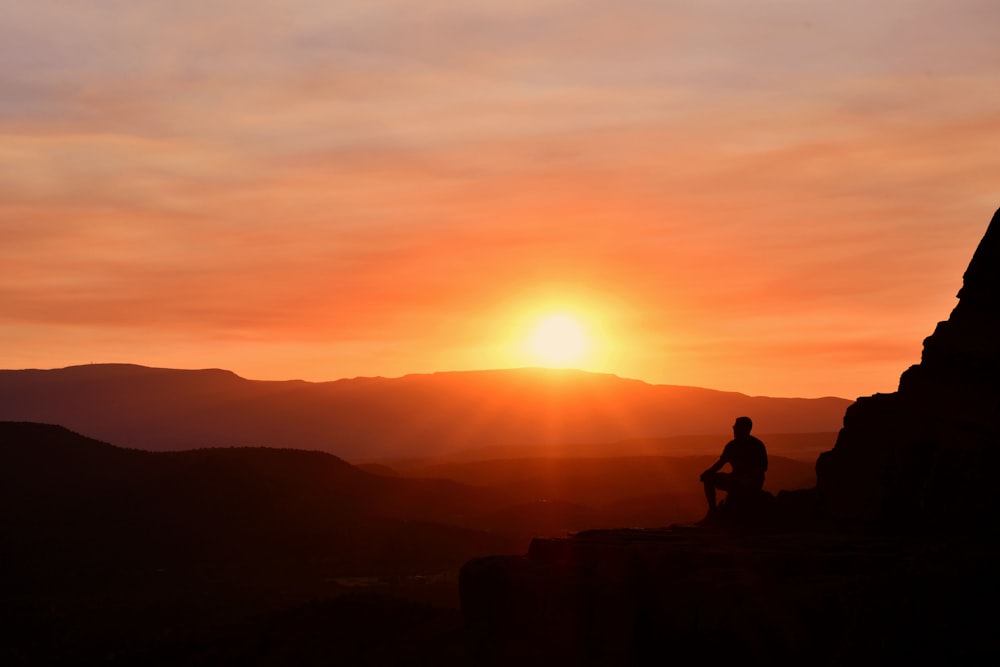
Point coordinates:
[(717, 480)]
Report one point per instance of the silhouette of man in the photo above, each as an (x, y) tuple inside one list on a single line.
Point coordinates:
[(748, 458)]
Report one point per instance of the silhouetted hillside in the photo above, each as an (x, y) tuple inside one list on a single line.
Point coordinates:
[(54, 481), (155, 554), (366, 418), (109, 549)]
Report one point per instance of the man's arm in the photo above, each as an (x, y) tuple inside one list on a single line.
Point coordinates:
[(715, 467)]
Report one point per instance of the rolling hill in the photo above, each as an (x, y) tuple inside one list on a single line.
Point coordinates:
[(60, 489), (109, 551)]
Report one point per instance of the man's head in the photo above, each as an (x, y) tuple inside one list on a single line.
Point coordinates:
[(742, 426)]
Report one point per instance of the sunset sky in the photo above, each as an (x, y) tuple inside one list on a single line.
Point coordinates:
[(772, 196)]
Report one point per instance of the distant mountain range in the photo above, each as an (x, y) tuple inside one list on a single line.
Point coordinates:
[(162, 409)]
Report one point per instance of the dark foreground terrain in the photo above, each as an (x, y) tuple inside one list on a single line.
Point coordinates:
[(225, 556), (722, 596), (281, 556)]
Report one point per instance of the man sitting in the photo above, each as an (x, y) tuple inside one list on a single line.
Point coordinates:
[(748, 458)]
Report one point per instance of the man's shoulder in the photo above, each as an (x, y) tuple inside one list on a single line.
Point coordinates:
[(746, 441)]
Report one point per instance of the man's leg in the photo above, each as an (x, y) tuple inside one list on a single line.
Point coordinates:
[(713, 481), (710, 492)]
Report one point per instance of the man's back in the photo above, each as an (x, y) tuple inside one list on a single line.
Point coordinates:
[(747, 455)]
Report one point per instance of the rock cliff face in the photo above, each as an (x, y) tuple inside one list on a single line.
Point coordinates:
[(929, 451), (874, 566)]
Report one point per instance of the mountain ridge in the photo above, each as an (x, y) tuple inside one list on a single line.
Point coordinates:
[(363, 418)]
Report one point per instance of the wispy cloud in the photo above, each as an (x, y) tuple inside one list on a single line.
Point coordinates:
[(346, 175)]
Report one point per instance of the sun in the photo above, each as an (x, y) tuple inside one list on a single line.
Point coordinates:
[(558, 340)]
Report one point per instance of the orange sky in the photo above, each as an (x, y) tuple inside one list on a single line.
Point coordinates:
[(771, 197)]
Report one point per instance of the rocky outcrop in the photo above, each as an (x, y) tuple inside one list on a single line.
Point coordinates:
[(929, 451)]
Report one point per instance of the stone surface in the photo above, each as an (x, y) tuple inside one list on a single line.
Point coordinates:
[(696, 596)]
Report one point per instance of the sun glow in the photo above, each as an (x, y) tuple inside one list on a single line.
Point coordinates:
[(556, 328), (558, 340)]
